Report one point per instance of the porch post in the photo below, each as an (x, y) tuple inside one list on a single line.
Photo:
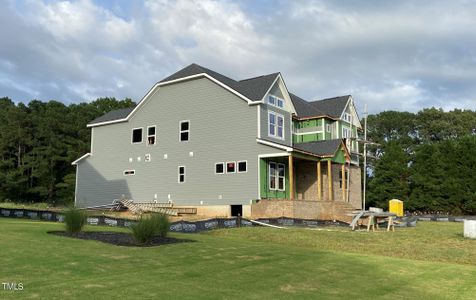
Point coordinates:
[(344, 179), (329, 180), (291, 177), (319, 181)]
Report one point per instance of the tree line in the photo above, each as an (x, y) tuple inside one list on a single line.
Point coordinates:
[(38, 142), (427, 159)]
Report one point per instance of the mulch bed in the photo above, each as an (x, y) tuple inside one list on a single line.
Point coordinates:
[(119, 238)]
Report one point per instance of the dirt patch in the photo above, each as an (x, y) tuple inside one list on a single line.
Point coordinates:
[(119, 238)]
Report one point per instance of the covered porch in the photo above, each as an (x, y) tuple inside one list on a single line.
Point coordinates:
[(310, 181)]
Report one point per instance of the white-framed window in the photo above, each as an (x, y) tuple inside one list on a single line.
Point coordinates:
[(137, 135), (275, 101), (129, 172), (346, 133), (184, 128), (147, 157), (242, 166), (231, 167), (276, 177), (275, 125), (181, 174), (151, 135), (220, 168), (347, 117)]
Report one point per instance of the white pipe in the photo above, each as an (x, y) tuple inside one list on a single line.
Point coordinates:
[(365, 157), (264, 224)]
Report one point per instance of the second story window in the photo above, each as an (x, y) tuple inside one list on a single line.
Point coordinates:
[(275, 101), (275, 125), (137, 135), (346, 133), (184, 131), (151, 135)]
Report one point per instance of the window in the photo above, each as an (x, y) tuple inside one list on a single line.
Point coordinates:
[(151, 135), (242, 166), (219, 168), (137, 135), (346, 133), (348, 117), (231, 167), (271, 100), (275, 125), (181, 174), (328, 127), (276, 176), (184, 131), (129, 172), (340, 177), (275, 101)]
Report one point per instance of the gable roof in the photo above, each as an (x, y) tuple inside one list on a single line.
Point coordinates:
[(113, 115), (320, 148), (332, 106), (253, 88), (304, 108)]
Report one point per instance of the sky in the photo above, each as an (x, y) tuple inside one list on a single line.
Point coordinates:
[(391, 55)]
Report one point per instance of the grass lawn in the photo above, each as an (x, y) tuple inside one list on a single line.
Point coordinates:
[(257, 263)]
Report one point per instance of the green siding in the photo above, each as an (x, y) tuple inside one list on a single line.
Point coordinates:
[(339, 157), (264, 169), (311, 137), (297, 138)]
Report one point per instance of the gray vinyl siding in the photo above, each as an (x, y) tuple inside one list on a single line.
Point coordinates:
[(264, 109), (223, 128)]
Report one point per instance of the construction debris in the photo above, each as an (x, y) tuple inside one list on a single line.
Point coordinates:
[(144, 207)]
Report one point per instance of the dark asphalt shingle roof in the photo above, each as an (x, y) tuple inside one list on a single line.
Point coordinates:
[(252, 88), (321, 148), (331, 106), (304, 108), (255, 88), (113, 115)]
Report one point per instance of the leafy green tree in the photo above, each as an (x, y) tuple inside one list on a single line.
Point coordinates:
[(390, 178), (39, 141)]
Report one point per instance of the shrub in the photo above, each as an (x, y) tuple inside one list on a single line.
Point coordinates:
[(74, 219), (148, 227)]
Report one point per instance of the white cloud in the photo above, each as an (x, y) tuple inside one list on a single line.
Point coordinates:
[(401, 55)]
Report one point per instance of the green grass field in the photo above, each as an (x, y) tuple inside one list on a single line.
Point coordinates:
[(431, 261)]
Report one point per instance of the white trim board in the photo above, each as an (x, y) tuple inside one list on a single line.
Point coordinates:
[(274, 155), (81, 158), (268, 143), (310, 132)]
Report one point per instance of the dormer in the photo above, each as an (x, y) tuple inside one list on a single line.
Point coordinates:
[(349, 114), (278, 96)]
